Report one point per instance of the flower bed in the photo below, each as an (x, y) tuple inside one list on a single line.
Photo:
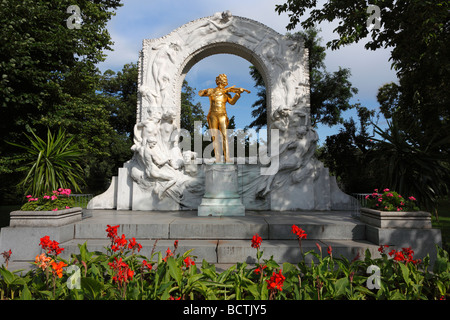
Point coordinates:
[(57, 200), (50, 210), (122, 273), (391, 210), (391, 201)]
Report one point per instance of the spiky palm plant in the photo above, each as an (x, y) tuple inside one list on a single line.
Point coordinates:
[(54, 164)]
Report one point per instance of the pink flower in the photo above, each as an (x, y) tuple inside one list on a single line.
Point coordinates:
[(386, 190), (56, 209), (399, 209), (46, 197), (380, 199), (54, 197), (389, 195), (412, 198), (67, 207), (29, 196)]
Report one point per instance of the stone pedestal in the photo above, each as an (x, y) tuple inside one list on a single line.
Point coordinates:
[(221, 192)]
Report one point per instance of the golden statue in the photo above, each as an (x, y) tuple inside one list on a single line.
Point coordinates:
[(217, 115)]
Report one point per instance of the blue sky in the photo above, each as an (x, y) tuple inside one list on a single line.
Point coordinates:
[(137, 20)]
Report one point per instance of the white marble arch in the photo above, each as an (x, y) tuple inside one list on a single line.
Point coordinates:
[(159, 177), (164, 62)]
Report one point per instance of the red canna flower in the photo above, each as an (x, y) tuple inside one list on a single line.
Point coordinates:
[(276, 281), (259, 269), (168, 254), (329, 250), (256, 241), (122, 272), (112, 231), (119, 243), (300, 233), (147, 265), (382, 247), (398, 256), (188, 262), (52, 247), (57, 268), (132, 244)]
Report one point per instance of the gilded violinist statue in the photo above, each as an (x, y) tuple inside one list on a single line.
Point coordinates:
[(217, 116)]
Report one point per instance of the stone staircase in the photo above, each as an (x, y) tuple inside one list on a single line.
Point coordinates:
[(226, 240)]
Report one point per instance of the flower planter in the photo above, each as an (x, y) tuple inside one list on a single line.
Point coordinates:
[(394, 219), (45, 218)]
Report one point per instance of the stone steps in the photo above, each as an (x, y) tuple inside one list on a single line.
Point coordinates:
[(226, 240), (233, 251), (187, 225)]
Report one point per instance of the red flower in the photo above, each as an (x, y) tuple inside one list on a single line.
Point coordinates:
[(381, 248), (329, 250), (189, 262), (398, 256), (147, 265), (256, 241), (112, 231), (298, 232), (132, 244), (276, 281), (52, 247), (122, 272), (120, 242), (57, 268), (259, 269), (168, 254), (44, 242)]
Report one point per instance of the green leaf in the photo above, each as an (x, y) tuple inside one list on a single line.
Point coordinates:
[(174, 270), (7, 276), (405, 273), (340, 286), (91, 287), (25, 294)]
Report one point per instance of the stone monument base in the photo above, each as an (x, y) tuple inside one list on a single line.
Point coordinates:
[(221, 192)]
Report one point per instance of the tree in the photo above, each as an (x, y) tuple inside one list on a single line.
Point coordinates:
[(330, 93), (348, 154), (44, 63), (49, 75), (417, 32), (190, 112), (120, 91)]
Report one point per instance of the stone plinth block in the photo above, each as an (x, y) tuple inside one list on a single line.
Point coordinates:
[(221, 192), (45, 218), (394, 219)]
